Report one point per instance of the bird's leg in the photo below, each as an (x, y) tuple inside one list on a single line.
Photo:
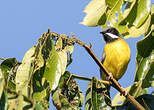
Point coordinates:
[(110, 76), (124, 91)]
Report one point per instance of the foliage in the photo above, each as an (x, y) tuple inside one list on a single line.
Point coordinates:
[(97, 96), (27, 85), (42, 72), (130, 17), (68, 94)]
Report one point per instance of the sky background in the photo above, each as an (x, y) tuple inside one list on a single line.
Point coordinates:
[(22, 22)]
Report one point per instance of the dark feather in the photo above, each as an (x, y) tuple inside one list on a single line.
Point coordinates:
[(103, 57), (102, 61)]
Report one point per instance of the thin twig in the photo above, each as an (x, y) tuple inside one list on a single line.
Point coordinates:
[(81, 77), (69, 79), (89, 79)]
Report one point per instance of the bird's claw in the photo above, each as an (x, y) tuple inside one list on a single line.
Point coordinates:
[(125, 92), (110, 76)]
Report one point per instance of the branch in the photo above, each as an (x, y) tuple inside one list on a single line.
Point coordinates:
[(114, 82), (89, 79)]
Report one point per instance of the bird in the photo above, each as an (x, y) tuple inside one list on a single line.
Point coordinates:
[(116, 54)]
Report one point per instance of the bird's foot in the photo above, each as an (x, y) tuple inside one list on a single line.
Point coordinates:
[(125, 92), (110, 76)]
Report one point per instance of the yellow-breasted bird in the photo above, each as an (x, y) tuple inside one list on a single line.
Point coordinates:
[(116, 55)]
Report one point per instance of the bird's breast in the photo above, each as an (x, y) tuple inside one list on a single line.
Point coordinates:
[(117, 57)]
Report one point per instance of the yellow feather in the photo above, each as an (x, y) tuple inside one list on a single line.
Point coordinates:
[(117, 56)]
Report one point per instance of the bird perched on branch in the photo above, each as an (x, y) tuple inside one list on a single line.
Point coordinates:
[(116, 55)]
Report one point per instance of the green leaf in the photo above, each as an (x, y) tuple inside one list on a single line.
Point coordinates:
[(2, 83), (144, 65), (126, 17), (97, 96), (129, 9), (20, 101), (69, 48), (137, 21), (64, 79), (95, 11), (39, 83), (133, 22), (72, 91), (145, 57), (7, 66), (65, 103), (4, 101), (68, 95), (136, 32), (56, 99), (53, 69), (63, 60), (63, 47), (16, 101), (42, 52), (62, 53), (119, 99), (39, 106), (38, 96), (12, 85), (59, 44), (137, 89), (143, 10), (145, 70), (25, 72), (111, 3), (116, 9), (12, 101), (94, 95)]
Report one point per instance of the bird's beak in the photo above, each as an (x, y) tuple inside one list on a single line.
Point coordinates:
[(102, 32)]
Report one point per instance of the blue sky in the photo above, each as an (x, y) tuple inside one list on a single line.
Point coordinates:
[(22, 22)]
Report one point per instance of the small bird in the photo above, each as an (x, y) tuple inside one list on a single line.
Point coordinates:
[(116, 55)]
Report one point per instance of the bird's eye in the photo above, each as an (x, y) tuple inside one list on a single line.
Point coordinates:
[(109, 30)]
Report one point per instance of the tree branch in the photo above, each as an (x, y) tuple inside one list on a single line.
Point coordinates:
[(114, 82)]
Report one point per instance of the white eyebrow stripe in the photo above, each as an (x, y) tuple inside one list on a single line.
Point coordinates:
[(112, 35)]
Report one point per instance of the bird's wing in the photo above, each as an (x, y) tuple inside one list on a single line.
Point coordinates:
[(102, 61), (103, 57)]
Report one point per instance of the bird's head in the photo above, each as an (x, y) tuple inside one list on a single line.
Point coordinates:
[(110, 34)]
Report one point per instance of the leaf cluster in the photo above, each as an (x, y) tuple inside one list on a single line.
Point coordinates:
[(27, 84), (131, 17)]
